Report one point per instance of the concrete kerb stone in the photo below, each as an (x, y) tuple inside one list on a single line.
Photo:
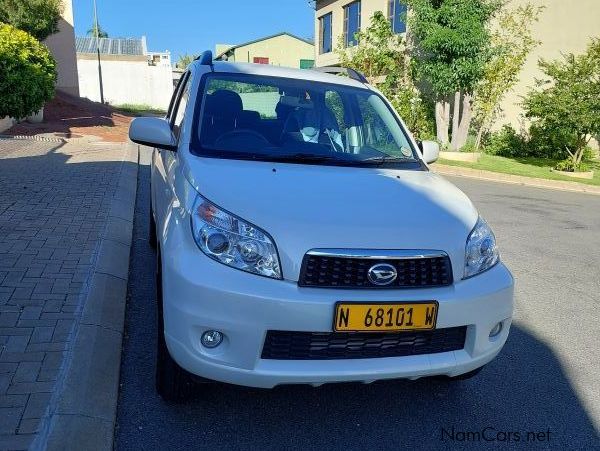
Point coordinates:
[(83, 410)]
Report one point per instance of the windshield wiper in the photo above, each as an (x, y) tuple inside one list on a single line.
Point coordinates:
[(305, 157), (387, 159)]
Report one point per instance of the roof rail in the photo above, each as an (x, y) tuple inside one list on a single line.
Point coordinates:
[(205, 58), (353, 74)]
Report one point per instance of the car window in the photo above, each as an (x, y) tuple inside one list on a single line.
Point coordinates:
[(182, 102), (269, 118), (377, 130), (256, 98), (175, 95)]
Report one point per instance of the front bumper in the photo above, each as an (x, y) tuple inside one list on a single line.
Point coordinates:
[(200, 294)]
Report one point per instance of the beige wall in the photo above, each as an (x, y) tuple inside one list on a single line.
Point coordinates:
[(62, 46), (564, 26), (336, 7), (281, 50)]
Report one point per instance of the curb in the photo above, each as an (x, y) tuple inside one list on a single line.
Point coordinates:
[(480, 174), (82, 414)]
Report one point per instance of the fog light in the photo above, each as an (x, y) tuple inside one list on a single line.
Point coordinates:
[(496, 330), (211, 339)]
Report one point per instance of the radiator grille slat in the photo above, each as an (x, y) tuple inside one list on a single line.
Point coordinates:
[(286, 345)]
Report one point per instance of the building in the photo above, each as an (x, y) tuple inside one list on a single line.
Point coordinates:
[(562, 28), (338, 21), (282, 49), (62, 47), (130, 73)]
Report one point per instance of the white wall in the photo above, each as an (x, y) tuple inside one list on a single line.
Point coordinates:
[(132, 82)]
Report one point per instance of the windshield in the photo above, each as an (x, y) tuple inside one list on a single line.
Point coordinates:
[(278, 119)]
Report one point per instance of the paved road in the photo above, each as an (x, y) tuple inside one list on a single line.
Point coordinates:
[(546, 379)]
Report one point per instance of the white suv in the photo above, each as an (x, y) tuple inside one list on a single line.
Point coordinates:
[(302, 239)]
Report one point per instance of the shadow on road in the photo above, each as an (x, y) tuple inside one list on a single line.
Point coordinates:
[(524, 390)]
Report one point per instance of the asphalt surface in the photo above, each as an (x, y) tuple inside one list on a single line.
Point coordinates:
[(546, 380)]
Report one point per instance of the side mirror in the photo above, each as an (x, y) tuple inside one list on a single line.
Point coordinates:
[(152, 132), (430, 150)]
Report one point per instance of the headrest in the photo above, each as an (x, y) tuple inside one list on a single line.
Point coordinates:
[(225, 102)]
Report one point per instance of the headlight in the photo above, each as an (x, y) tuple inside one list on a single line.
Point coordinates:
[(481, 251), (233, 241)]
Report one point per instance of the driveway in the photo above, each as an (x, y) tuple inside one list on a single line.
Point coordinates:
[(544, 385)]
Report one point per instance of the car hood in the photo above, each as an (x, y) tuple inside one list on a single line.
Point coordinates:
[(307, 207)]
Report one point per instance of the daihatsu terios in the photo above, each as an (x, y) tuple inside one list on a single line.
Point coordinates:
[(302, 238)]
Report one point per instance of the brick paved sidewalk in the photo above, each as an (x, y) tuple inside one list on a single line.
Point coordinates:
[(55, 199)]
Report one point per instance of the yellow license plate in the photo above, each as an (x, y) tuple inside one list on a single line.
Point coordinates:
[(351, 317)]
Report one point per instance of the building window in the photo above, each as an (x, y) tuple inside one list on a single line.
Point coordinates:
[(261, 60), (325, 34), (397, 15), (351, 23), (307, 64)]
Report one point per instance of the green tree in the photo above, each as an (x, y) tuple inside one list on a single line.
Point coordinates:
[(381, 55), (100, 31), (28, 73), (450, 46), (567, 101), (184, 61), (512, 40), (39, 18)]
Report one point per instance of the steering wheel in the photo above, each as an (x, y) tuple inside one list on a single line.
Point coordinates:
[(249, 135)]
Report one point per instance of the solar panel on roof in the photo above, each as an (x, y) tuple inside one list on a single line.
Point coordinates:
[(109, 46)]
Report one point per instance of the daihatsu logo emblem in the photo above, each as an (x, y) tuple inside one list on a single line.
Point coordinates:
[(382, 274)]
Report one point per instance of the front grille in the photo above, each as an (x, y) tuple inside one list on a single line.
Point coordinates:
[(284, 345), (348, 272)]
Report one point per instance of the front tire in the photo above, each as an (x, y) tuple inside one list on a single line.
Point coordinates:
[(172, 382)]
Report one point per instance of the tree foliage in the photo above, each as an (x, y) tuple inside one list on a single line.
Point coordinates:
[(451, 42), (511, 42), (39, 18), (381, 55), (97, 30), (185, 60), (28, 73), (450, 49), (566, 101)]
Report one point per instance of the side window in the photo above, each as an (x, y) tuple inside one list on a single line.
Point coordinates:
[(174, 96), (178, 114)]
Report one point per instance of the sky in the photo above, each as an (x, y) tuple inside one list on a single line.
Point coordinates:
[(192, 26)]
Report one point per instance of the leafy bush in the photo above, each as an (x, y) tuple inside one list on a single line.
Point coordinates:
[(506, 143), (39, 18), (565, 107), (568, 166), (540, 142), (28, 73), (549, 142)]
